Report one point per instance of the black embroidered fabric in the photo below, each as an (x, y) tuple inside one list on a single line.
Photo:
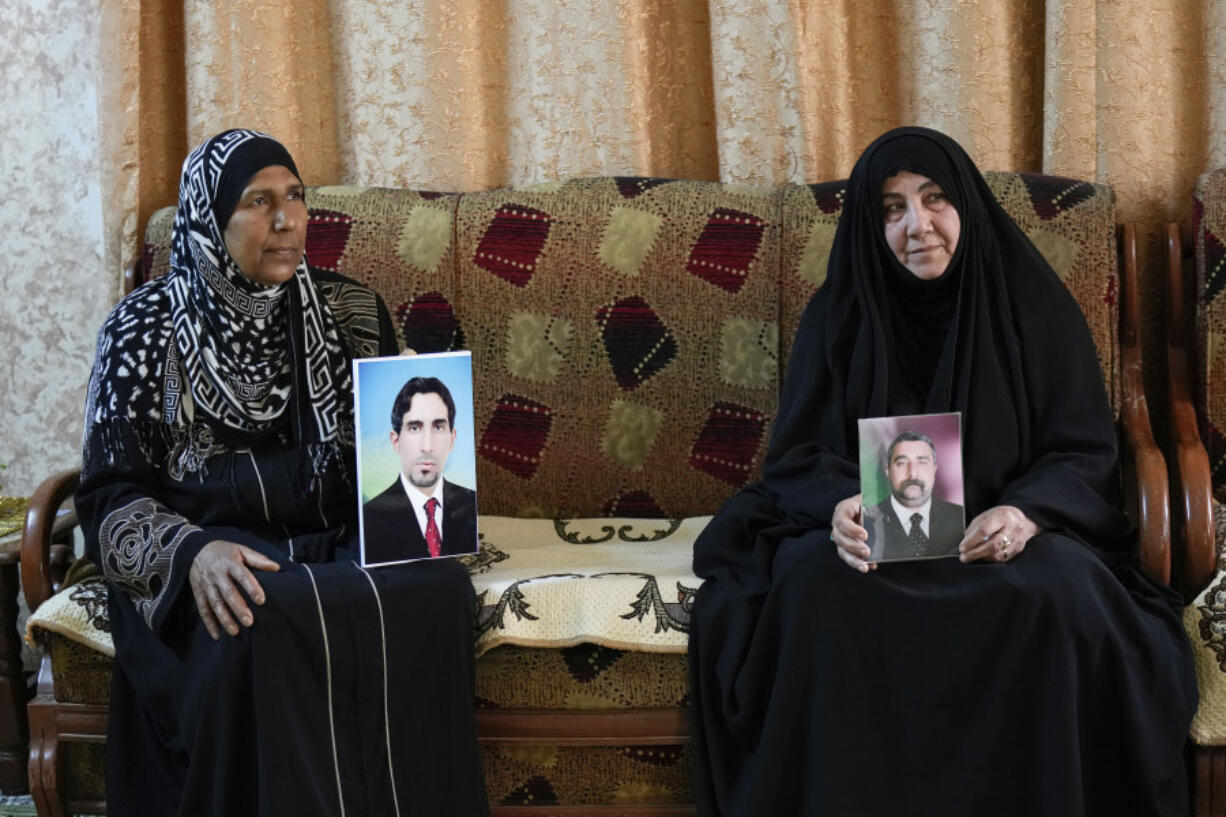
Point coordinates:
[(321, 706)]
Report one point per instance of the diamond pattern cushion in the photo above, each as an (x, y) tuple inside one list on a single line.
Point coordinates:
[(1209, 231), (624, 337)]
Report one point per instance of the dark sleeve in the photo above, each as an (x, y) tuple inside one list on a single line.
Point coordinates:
[(1072, 483), (143, 547), (812, 464)]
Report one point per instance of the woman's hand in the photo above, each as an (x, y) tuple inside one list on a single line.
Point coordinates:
[(852, 540), (997, 535), (218, 571)]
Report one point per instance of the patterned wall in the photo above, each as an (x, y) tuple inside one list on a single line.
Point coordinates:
[(53, 291)]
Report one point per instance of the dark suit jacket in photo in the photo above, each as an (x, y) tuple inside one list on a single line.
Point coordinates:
[(391, 532), (887, 534)]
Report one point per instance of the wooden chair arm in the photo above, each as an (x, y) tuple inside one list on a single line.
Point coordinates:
[(40, 574), (1146, 486), (133, 275), (1192, 484)]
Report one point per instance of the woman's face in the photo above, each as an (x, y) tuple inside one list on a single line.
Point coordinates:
[(921, 224), (266, 233)]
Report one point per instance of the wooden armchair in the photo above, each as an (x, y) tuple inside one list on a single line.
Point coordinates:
[(1196, 320)]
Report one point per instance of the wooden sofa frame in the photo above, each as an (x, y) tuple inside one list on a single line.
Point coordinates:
[(1195, 557)]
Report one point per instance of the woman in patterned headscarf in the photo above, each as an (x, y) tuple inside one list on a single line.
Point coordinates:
[(1037, 674), (253, 655)]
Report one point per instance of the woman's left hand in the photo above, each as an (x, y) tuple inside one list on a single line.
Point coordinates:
[(997, 535)]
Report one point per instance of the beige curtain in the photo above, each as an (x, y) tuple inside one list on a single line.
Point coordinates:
[(471, 94)]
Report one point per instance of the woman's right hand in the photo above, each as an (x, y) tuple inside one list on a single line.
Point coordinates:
[(849, 536), (218, 571)]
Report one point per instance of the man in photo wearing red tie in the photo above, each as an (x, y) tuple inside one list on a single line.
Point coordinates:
[(421, 514)]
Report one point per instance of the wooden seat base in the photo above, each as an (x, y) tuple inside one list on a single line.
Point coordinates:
[(54, 723)]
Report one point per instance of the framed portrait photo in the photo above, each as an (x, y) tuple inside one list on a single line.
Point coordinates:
[(417, 470), (911, 486)]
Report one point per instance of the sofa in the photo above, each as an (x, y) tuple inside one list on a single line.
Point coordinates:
[(1196, 328), (629, 336)]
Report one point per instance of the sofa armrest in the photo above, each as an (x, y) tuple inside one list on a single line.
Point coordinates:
[(1146, 488), (42, 566), (133, 275), (1191, 481)]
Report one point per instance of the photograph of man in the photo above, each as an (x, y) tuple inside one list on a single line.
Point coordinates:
[(911, 523), (421, 514)]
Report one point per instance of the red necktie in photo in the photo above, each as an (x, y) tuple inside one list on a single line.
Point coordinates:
[(433, 541)]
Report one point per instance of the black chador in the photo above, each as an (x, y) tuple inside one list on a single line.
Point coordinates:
[(1056, 683)]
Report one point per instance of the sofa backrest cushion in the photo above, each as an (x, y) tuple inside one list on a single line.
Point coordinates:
[(1209, 232), (625, 342), (629, 335)]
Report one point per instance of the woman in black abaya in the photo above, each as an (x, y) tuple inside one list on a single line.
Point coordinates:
[(1037, 674), (258, 668)]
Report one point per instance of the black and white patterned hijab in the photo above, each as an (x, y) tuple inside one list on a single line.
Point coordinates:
[(237, 342)]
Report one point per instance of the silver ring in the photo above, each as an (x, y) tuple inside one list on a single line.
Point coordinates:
[(1005, 539)]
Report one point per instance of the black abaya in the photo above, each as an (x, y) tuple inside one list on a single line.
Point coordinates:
[(1058, 683), (353, 685)]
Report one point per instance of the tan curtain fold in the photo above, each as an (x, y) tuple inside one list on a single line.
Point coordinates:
[(1070, 116), (415, 97), (1213, 38), (974, 70), (267, 65), (757, 93), (843, 110), (672, 100), (142, 125), (422, 93)]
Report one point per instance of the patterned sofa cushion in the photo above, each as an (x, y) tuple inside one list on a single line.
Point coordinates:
[(1209, 232), (624, 331), (628, 335), (624, 336)]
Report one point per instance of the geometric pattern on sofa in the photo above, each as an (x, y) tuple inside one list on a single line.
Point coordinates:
[(629, 335), (1209, 232)]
